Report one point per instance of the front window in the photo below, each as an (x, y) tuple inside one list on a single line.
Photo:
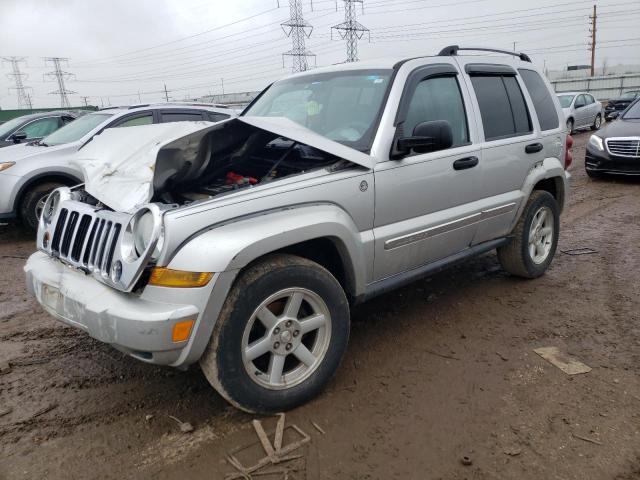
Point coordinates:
[(342, 106), (76, 129), (629, 95), (565, 100), (633, 113), (9, 126)]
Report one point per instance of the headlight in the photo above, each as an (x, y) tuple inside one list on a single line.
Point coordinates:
[(138, 235), (596, 141), (50, 206), (5, 165)]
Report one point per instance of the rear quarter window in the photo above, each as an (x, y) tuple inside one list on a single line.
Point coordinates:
[(542, 100)]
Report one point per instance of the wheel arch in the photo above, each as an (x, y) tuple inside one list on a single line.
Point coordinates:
[(41, 178)]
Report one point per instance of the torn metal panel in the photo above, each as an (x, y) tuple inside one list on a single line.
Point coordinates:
[(125, 167)]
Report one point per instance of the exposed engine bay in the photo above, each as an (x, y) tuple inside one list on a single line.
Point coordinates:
[(233, 159), (180, 163)]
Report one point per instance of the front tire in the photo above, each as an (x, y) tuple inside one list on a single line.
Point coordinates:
[(280, 336), (535, 238), (597, 122), (33, 202)]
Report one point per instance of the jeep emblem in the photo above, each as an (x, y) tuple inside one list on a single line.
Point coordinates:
[(363, 186)]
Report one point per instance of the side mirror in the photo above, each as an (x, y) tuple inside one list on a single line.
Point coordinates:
[(614, 115), (579, 105), (19, 137), (427, 137)]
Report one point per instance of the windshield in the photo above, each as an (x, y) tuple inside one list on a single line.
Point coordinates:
[(342, 106), (633, 113), (76, 129), (7, 127), (565, 100), (629, 95)]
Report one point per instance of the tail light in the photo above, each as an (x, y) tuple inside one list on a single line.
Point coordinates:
[(568, 157)]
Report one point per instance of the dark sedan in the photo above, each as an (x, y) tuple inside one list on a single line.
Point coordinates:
[(33, 127), (616, 106), (616, 147)]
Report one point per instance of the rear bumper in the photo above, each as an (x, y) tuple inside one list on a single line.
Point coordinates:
[(138, 326), (604, 162)]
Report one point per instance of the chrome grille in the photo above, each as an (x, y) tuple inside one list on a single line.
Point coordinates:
[(624, 147), (86, 239)]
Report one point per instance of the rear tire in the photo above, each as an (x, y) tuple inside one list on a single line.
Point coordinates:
[(570, 125), (262, 356), (32, 203), (535, 238), (597, 122)]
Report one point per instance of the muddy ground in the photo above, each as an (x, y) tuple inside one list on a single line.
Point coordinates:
[(435, 371)]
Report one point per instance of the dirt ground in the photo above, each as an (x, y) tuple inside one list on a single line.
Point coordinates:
[(435, 371)]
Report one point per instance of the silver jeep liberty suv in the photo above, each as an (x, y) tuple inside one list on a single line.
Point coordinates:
[(241, 245)]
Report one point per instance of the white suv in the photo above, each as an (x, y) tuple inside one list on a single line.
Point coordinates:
[(29, 172)]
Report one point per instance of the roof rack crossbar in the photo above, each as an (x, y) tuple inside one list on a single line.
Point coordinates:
[(453, 50)]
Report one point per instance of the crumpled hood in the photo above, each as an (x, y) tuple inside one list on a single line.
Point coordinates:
[(120, 165), (22, 151)]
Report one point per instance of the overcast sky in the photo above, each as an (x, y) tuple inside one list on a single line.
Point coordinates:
[(117, 48)]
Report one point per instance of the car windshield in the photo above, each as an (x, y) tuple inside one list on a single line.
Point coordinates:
[(629, 95), (7, 127), (77, 129), (633, 113), (342, 106), (565, 100)]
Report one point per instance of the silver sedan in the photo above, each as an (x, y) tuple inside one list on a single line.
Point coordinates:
[(581, 110)]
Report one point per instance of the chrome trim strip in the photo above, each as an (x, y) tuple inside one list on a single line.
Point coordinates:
[(448, 226)]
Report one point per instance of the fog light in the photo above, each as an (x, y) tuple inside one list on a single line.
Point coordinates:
[(181, 331), (116, 271)]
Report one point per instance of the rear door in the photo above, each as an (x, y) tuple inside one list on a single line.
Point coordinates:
[(581, 110), (510, 144)]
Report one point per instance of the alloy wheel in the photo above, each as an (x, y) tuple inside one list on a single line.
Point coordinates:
[(541, 235)]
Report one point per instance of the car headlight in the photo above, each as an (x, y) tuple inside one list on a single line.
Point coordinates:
[(596, 141), (138, 234), (5, 165), (50, 206)]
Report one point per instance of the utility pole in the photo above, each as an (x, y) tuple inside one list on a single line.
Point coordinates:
[(60, 77), (299, 31), (222, 83), (351, 30), (24, 100), (593, 30), (166, 93), (85, 100), (139, 99), (514, 46)]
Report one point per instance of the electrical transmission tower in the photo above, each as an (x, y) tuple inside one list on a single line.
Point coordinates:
[(351, 30), (60, 77), (24, 100), (298, 30)]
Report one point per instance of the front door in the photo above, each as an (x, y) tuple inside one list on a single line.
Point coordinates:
[(424, 207)]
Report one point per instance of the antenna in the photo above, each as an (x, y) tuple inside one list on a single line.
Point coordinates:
[(24, 100), (298, 30), (60, 77), (351, 30)]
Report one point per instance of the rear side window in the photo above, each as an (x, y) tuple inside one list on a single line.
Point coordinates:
[(168, 117), (542, 101), (502, 106), (217, 117)]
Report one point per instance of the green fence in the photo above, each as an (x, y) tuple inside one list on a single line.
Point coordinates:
[(6, 115)]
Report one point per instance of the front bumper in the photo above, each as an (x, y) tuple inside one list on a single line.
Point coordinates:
[(603, 162), (140, 326), (8, 187)]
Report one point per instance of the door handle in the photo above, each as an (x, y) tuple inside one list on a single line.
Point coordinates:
[(533, 148), (463, 163)]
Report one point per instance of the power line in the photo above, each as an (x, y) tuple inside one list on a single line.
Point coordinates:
[(24, 100), (60, 77), (351, 30), (298, 30)]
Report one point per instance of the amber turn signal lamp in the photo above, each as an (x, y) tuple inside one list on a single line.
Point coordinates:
[(165, 277), (181, 331)]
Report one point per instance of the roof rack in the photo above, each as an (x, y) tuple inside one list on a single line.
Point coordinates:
[(453, 50)]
